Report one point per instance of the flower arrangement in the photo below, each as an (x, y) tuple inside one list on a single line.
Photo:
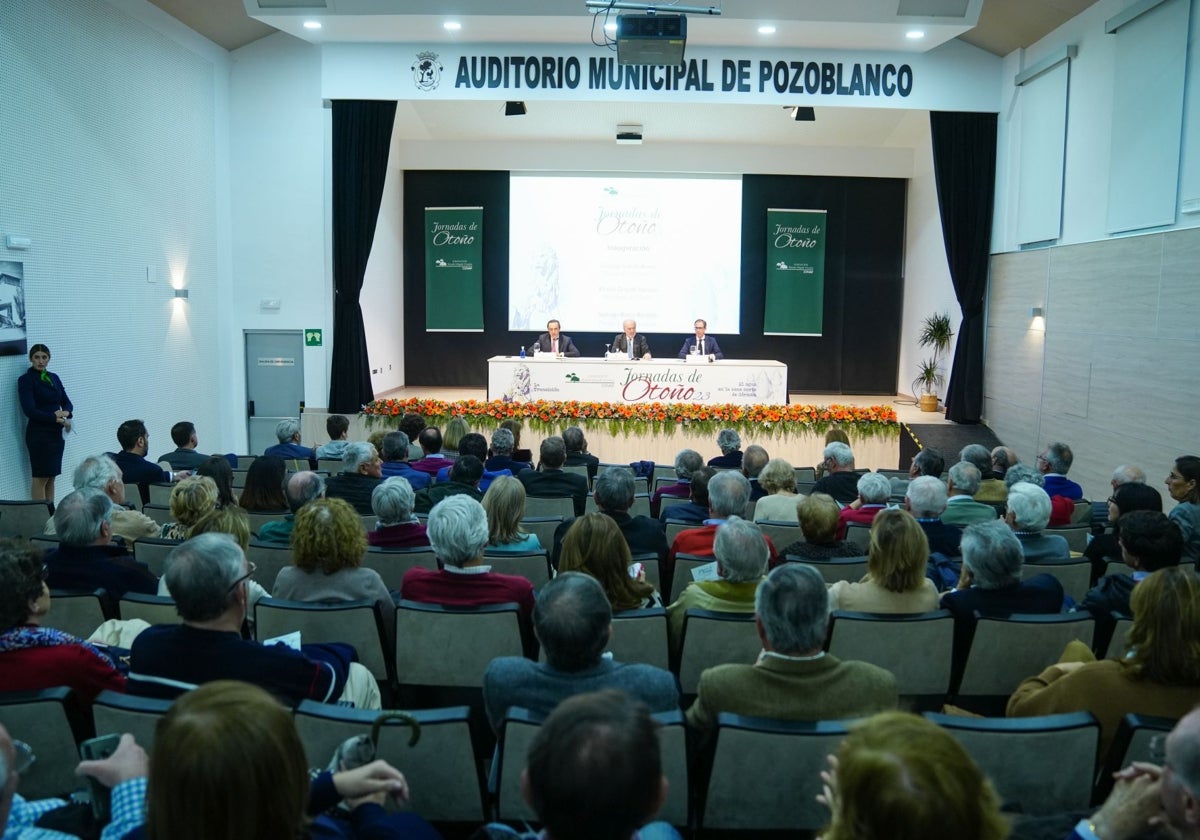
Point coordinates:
[(646, 419)]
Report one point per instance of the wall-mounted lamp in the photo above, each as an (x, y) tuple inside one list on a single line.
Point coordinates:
[(515, 109), (1036, 312), (181, 293)]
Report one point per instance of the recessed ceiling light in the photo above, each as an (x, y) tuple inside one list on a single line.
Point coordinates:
[(452, 26), (312, 24), (766, 30), (914, 34), (611, 26)]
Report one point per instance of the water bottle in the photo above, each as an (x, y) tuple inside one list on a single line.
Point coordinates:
[(522, 351)]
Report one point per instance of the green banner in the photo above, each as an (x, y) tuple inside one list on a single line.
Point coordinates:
[(795, 272), (453, 262)]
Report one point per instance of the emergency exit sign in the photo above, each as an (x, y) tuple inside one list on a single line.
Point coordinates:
[(312, 338)]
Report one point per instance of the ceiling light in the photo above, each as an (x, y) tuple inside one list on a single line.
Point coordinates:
[(312, 24), (766, 30), (452, 26), (914, 34)]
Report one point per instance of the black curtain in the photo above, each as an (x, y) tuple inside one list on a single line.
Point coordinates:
[(362, 135), (964, 166)]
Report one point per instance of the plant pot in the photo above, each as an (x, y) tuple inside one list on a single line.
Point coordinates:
[(929, 402)]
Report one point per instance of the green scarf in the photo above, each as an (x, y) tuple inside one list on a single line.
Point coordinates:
[(46, 377)]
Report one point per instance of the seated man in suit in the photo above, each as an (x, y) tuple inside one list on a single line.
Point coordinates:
[(185, 456), (337, 427), (961, 487), (577, 451), (208, 578), (686, 461), (614, 497), (86, 558), (465, 474), (301, 488), (503, 442), (362, 470), (630, 342), (793, 678), (289, 448), (553, 341), (730, 444), (1028, 512), (695, 510), (701, 344), (135, 467), (394, 453), (549, 480), (573, 623), (1054, 463), (473, 443), (433, 459)]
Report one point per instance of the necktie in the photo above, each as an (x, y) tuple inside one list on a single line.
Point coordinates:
[(702, 347), (629, 346), (554, 346)]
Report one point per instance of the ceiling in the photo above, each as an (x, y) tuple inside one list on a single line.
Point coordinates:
[(998, 26)]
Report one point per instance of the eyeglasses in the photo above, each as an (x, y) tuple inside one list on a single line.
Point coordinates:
[(251, 568), (23, 757), (44, 573), (1112, 500)]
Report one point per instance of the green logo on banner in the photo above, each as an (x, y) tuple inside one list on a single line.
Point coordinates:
[(312, 338)]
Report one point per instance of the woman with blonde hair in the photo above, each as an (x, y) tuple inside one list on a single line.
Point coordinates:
[(230, 520), (455, 429), (191, 499), (895, 581), (818, 514), (1160, 675), (504, 503), (595, 546), (779, 505), (227, 762), (901, 777)]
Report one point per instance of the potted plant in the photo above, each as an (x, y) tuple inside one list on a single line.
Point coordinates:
[(935, 333)]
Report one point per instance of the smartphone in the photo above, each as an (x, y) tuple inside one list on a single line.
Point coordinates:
[(98, 749), (635, 569)]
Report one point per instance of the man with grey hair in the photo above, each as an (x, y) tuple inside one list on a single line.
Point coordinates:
[(961, 507), (873, 493), (730, 444), (926, 500), (395, 461), (1024, 472), (793, 679), (100, 472), (926, 462), (841, 479), (741, 554), (1054, 463), (300, 489), (550, 480), (393, 501), (289, 448), (503, 443), (577, 451), (728, 492), (630, 342), (86, 557), (753, 461), (572, 620), (208, 578), (1003, 457), (614, 495), (1028, 512), (687, 461), (362, 470), (991, 489)]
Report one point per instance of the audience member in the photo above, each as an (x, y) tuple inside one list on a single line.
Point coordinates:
[(263, 492), (502, 454), (456, 430), (991, 488), (873, 493), (926, 499), (962, 486), (230, 520), (895, 581), (518, 454), (1122, 475), (614, 496), (1149, 541), (793, 679), (592, 546), (573, 623), (687, 461), (217, 468), (432, 457), (289, 448), (841, 479), (504, 503), (184, 456), (207, 576), (32, 655), (1002, 459), (100, 472), (412, 425), (728, 492), (753, 462), (393, 501), (465, 475), (549, 480), (301, 488), (1025, 473), (362, 471), (135, 467), (1054, 463), (833, 435), (1028, 513), (476, 445), (336, 426), (394, 453), (818, 516), (778, 481), (191, 499), (375, 438), (577, 451), (1160, 676), (1184, 486), (1126, 498), (926, 462), (695, 510), (898, 775), (730, 444)]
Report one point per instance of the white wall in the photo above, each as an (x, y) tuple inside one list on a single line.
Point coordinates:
[(114, 161)]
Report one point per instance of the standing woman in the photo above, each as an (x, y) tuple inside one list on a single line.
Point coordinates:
[(49, 409)]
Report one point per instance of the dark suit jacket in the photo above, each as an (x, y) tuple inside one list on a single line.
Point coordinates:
[(554, 483), (565, 345), (354, 488), (640, 346), (711, 347), (583, 459)]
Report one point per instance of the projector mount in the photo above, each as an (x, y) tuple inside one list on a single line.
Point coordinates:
[(596, 6)]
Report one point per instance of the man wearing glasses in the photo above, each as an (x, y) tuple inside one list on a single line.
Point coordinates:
[(207, 577)]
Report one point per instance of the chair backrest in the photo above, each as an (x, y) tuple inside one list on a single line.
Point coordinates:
[(260, 518), (160, 494), (1005, 651), (1075, 578), (1039, 765), (133, 495), (674, 529), (42, 719), (859, 535), (667, 501), (682, 575), (640, 636), (1082, 515), (269, 558), (1076, 535), (549, 506), (795, 752), (392, 563), (1118, 567), (451, 646), (358, 623), (806, 474), (117, 713), (534, 566), (76, 611), (543, 527), (331, 465), (159, 513), (1130, 744), (782, 534), (1118, 645), (641, 505), (154, 609), (834, 569), (43, 542), (23, 518), (893, 473), (577, 469), (805, 487), (748, 510), (916, 648), (244, 461), (715, 638), (153, 552), (442, 757)]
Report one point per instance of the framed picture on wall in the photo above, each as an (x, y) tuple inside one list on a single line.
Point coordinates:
[(12, 309)]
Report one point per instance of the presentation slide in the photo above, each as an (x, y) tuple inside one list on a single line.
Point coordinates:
[(593, 250)]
